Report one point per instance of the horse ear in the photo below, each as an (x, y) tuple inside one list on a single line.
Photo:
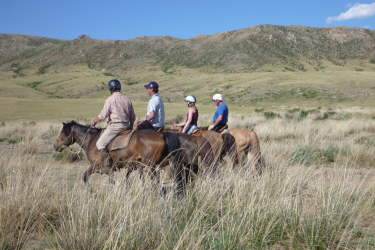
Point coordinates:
[(64, 123)]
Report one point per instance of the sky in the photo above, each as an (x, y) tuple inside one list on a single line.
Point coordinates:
[(127, 19)]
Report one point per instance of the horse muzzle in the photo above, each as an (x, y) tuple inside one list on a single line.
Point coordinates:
[(58, 148)]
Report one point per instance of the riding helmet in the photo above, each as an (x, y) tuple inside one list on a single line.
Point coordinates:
[(114, 85), (217, 97), (191, 99)]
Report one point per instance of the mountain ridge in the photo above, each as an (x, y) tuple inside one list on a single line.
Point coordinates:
[(298, 48)]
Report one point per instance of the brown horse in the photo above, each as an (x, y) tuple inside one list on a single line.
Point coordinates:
[(248, 145), (146, 149), (244, 142), (222, 144)]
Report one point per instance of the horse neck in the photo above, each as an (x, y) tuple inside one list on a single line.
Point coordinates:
[(83, 136)]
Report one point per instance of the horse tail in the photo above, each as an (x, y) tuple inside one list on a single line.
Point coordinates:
[(259, 162)]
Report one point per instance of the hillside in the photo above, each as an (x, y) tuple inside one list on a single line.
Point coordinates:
[(244, 50), (286, 58)]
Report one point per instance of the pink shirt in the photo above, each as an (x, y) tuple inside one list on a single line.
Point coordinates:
[(118, 108)]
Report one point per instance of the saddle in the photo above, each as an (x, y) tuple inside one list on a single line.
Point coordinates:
[(121, 140), (223, 129)]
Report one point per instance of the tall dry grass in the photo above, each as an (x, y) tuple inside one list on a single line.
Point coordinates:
[(318, 193)]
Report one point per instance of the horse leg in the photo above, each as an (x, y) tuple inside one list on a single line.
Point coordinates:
[(110, 177), (87, 173)]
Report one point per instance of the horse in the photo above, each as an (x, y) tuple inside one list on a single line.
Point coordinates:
[(222, 144), (146, 149), (248, 145), (238, 143)]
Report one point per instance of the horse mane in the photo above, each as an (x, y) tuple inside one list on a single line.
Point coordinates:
[(90, 129)]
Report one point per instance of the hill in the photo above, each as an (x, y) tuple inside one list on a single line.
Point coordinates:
[(299, 48), (250, 65)]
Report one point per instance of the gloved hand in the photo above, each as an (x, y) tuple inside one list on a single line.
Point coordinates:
[(211, 127)]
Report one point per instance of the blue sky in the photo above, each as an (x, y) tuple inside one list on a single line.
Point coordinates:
[(115, 19)]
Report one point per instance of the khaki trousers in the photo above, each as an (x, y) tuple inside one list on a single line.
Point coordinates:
[(110, 133)]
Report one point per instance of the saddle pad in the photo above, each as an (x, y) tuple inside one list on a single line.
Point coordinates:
[(121, 141)]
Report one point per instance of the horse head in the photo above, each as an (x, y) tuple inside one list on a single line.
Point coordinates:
[(65, 138)]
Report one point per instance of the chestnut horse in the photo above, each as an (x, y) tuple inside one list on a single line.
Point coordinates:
[(245, 143), (248, 145)]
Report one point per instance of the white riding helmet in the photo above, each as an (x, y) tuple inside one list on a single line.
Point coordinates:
[(191, 99), (217, 97)]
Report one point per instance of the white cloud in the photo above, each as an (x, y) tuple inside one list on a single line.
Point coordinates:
[(356, 11)]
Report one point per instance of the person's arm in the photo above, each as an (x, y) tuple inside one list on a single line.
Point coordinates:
[(152, 110), (216, 123), (181, 124), (132, 115), (151, 116), (103, 114), (188, 122)]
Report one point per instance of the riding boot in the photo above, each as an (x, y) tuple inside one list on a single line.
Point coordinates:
[(106, 158)]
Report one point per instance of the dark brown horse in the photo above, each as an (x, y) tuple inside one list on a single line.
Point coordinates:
[(146, 149), (222, 144)]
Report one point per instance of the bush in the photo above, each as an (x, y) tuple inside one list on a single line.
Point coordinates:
[(15, 139), (43, 69), (307, 155), (34, 85), (303, 114), (326, 115), (330, 154), (258, 110), (271, 115)]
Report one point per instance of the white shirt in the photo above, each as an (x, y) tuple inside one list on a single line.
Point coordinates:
[(156, 105)]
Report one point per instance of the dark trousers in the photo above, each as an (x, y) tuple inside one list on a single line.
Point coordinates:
[(219, 127)]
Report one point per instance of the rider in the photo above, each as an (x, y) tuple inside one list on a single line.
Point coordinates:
[(191, 123), (221, 115), (118, 109), (155, 108)]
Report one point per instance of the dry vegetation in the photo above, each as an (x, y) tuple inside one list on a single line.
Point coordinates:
[(318, 192)]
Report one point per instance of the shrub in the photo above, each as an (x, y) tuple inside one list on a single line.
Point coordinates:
[(310, 93), (43, 69), (258, 110), (15, 139), (34, 85), (271, 115), (303, 114), (305, 155), (330, 154), (326, 115)]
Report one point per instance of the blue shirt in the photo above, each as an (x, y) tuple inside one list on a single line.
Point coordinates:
[(222, 110)]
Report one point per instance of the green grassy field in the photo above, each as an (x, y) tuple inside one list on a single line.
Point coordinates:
[(334, 86), (79, 92)]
